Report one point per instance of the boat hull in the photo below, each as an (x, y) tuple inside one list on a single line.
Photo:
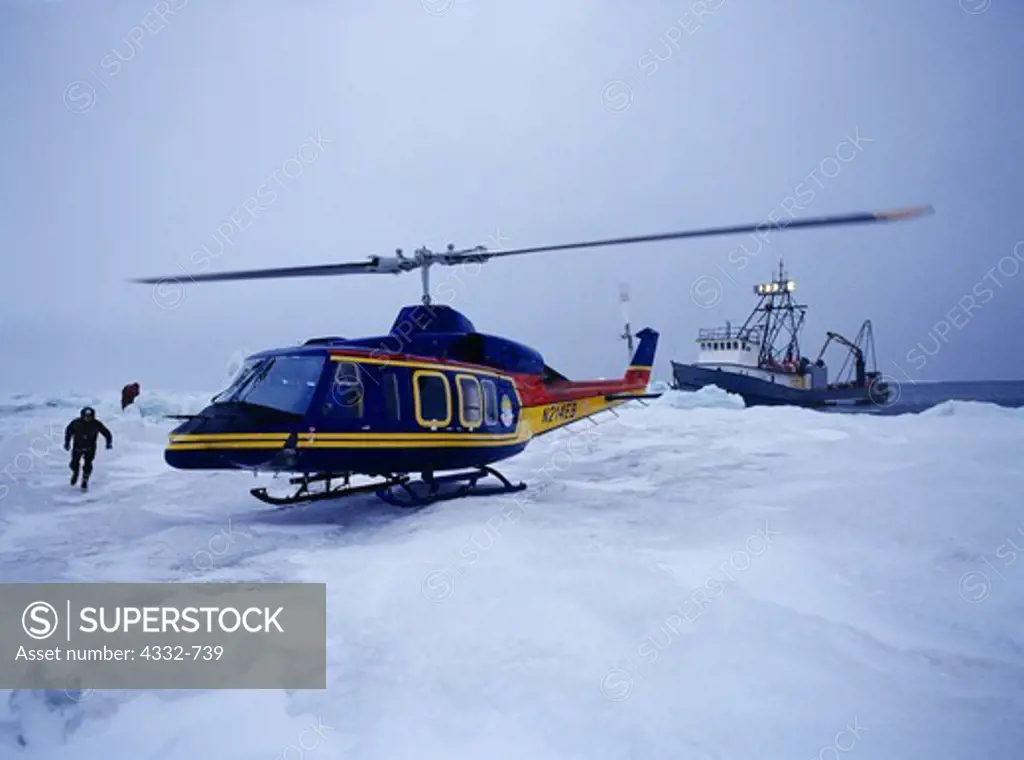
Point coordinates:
[(757, 392)]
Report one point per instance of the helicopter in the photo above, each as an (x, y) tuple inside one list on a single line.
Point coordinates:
[(433, 397)]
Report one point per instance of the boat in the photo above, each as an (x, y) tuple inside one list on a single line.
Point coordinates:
[(761, 361)]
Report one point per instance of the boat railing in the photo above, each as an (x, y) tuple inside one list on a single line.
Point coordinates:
[(752, 335)]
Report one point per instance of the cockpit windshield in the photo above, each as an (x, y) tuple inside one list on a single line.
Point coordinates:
[(285, 383), (236, 382)]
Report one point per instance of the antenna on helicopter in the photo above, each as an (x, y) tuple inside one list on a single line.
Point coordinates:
[(624, 300)]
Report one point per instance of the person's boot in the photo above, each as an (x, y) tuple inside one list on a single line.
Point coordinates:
[(85, 483), (74, 477)]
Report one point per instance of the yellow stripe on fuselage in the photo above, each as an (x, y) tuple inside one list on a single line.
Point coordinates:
[(534, 421), (420, 365), (282, 437), (425, 442), (183, 437), (472, 369), (426, 439), (547, 417), (403, 444), (207, 445)]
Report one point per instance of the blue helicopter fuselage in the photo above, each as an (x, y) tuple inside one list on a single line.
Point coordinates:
[(431, 395)]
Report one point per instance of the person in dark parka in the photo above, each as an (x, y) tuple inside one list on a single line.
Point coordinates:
[(83, 432), (128, 395)]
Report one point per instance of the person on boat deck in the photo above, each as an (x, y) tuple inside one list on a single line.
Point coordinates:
[(128, 395), (84, 430), (789, 365)]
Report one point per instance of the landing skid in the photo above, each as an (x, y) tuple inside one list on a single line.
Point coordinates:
[(430, 489), (419, 493), (303, 494)]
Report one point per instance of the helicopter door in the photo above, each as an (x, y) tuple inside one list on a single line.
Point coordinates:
[(346, 399), (392, 396)]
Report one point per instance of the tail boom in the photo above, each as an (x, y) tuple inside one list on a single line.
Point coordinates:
[(549, 406)]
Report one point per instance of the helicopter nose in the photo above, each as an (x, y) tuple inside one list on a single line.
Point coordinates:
[(221, 437)]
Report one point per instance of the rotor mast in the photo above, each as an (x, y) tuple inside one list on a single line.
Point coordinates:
[(425, 279), (424, 258)]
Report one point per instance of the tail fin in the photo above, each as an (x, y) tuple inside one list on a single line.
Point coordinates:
[(639, 370)]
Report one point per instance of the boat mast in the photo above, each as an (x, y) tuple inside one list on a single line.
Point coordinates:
[(776, 311)]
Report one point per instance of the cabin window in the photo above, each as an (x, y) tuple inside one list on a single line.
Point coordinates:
[(392, 399), (470, 401), (433, 399), (347, 399), (490, 402)]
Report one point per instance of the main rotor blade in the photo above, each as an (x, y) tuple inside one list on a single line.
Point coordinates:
[(321, 270), (396, 264), (821, 221)]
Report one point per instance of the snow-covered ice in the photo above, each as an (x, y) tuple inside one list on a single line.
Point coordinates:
[(689, 580)]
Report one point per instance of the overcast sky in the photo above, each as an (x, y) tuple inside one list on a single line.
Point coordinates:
[(133, 134)]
